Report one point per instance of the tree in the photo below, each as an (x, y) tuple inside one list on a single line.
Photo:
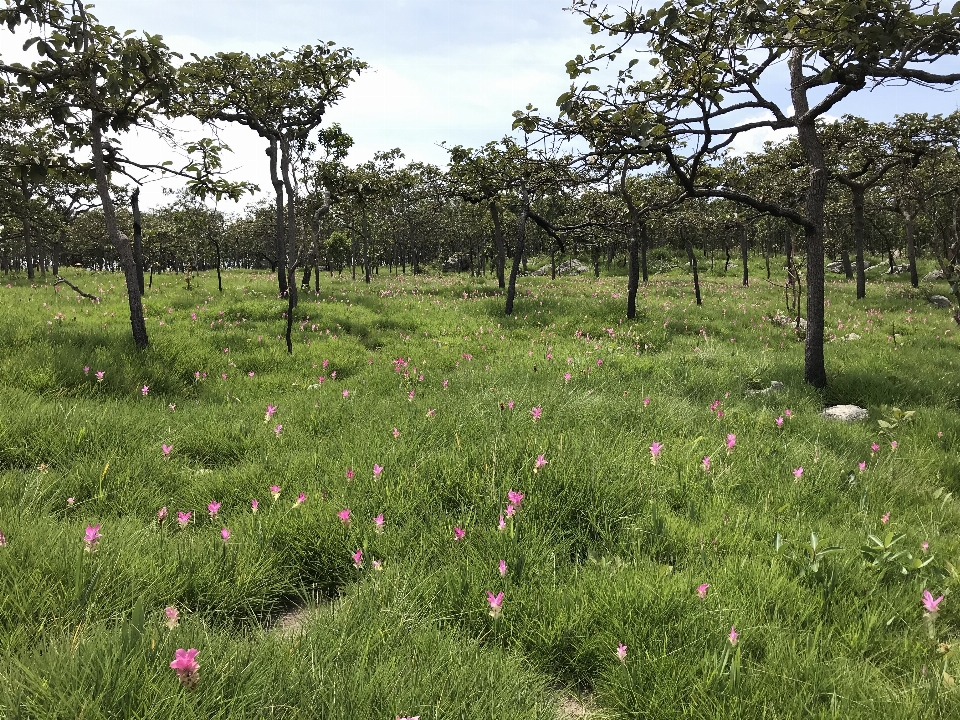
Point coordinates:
[(713, 61)]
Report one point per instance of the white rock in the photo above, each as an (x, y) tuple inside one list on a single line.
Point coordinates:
[(845, 413), (940, 301)]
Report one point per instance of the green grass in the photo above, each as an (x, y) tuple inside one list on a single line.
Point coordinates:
[(607, 546)]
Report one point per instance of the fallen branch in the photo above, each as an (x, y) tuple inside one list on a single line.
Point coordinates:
[(75, 288)]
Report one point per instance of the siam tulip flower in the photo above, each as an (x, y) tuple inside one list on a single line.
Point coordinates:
[(733, 636), (458, 533), (536, 412), (3, 540), (301, 499), (346, 394), (225, 534), (862, 466), (510, 404), (378, 522), (172, 406), (213, 508), (787, 413), (100, 375), (166, 450), (377, 564), (344, 516), (377, 469), (646, 401), (566, 377), (706, 463), (349, 473), (187, 667), (173, 616), (931, 604), (446, 384), (925, 546), (516, 498), (254, 505), (885, 518), (86, 369), (779, 421), (893, 445), (621, 652), (275, 491), (496, 603), (162, 514), (91, 537), (70, 501), (431, 412), (502, 568), (798, 473), (358, 558), (278, 429), (501, 525), (731, 441), (655, 450), (874, 449), (271, 409), (145, 390), (410, 395), (702, 591), (396, 433), (511, 509), (183, 518)]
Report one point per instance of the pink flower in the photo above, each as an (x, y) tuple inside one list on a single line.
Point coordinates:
[(885, 518), (516, 498), (358, 559), (166, 449), (91, 537), (510, 404), (731, 441), (862, 466), (431, 412), (496, 603), (733, 636), (162, 514), (100, 375), (396, 433), (536, 412), (271, 409), (779, 421), (458, 533), (145, 390), (172, 406), (621, 652), (225, 534), (502, 567), (301, 499), (183, 518), (798, 473), (646, 401), (344, 516), (566, 377), (702, 591), (213, 508), (501, 525), (929, 603), (346, 394), (3, 540), (378, 522), (893, 445), (445, 384), (378, 564), (278, 429), (924, 546), (86, 370), (874, 449), (706, 463), (787, 413), (187, 666), (655, 451), (377, 469), (410, 395), (254, 505), (349, 473), (541, 461), (173, 616), (70, 501), (275, 491)]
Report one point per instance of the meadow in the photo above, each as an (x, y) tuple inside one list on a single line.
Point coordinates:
[(432, 510)]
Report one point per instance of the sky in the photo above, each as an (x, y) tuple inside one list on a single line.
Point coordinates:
[(440, 70)]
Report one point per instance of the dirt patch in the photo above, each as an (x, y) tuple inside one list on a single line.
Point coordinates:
[(573, 707)]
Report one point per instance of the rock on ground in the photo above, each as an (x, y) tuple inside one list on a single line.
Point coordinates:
[(845, 413), (940, 301)]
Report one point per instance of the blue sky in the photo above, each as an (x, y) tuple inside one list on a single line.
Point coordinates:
[(441, 70)]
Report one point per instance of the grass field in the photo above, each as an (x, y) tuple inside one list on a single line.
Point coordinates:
[(663, 504)]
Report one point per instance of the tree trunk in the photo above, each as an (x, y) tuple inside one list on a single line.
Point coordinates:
[(137, 235), (693, 264), (121, 242), (518, 250), (633, 273), (814, 367), (909, 230), (744, 250), (57, 247), (858, 233), (279, 248)]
